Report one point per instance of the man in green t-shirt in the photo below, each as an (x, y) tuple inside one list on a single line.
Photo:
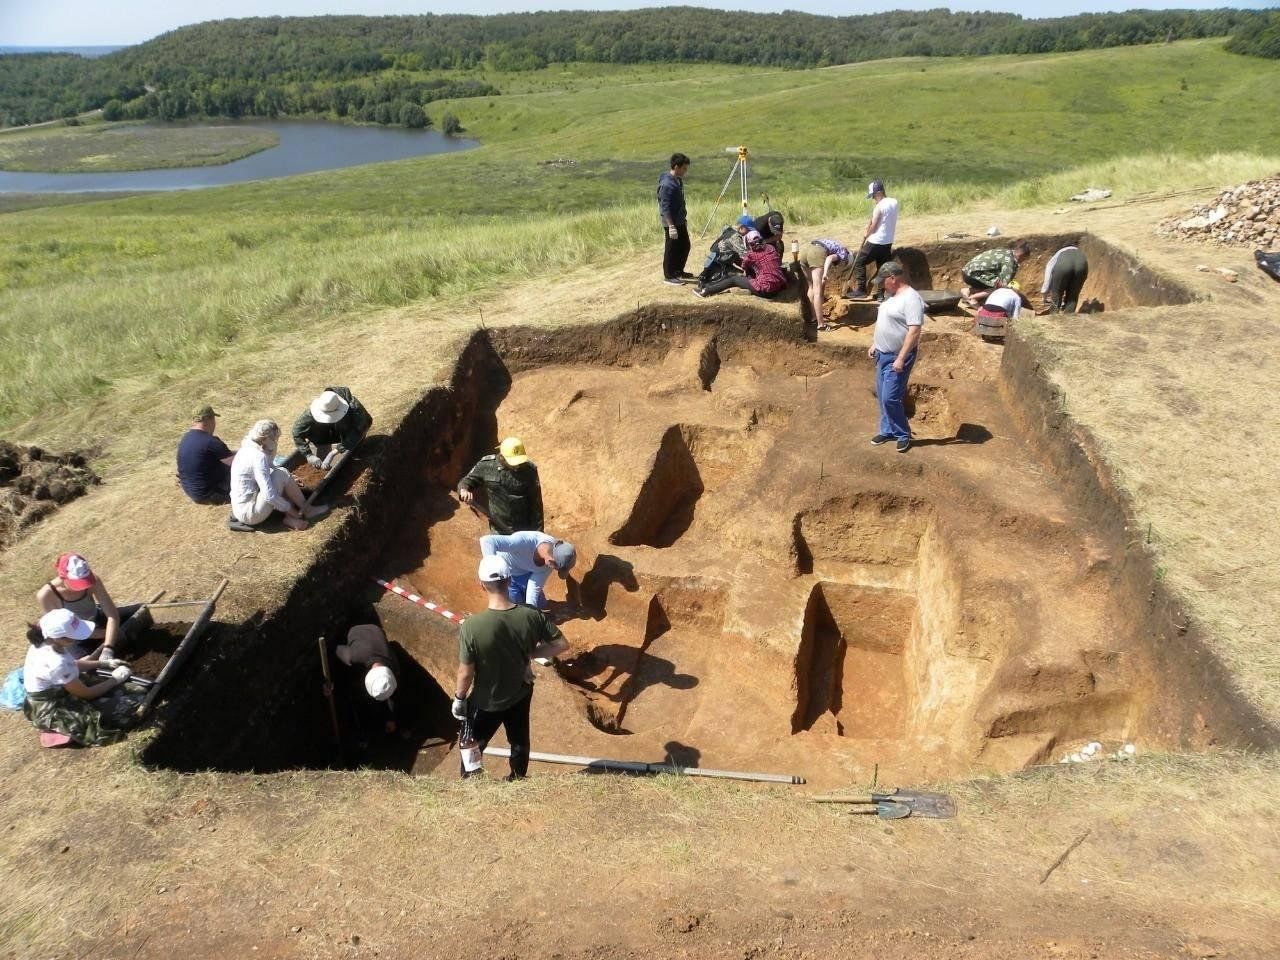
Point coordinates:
[(495, 680)]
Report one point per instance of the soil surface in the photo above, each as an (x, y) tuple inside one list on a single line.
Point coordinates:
[(35, 482)]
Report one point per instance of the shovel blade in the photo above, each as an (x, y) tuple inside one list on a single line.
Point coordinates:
[(884, 809)]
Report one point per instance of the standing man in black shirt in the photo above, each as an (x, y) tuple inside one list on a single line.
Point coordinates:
[(512, 491), (675, 221)]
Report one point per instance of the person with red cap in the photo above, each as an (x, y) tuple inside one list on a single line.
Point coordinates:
[(76, 588)]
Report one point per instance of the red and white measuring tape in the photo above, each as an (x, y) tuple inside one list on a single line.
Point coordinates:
[(420, 601)]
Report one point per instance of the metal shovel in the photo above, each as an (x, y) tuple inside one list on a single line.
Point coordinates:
[(935, 806), (884, 809)]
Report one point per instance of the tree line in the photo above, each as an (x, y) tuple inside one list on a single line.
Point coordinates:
[(361, 67), (1259, 38)]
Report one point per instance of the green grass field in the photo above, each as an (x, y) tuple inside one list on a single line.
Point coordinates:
[(149, 287), (109, 147)]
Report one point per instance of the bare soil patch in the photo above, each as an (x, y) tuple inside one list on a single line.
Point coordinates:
[(35, 482)]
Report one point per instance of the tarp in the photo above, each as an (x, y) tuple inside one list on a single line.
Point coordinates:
[(1270, 262)]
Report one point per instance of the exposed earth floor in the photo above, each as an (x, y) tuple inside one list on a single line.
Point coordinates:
[(757, 588)]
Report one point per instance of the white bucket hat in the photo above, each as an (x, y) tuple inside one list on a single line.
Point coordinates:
[(329, 407), (380, 682)]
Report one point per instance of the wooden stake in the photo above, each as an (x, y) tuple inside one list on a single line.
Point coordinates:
[(328, 688)]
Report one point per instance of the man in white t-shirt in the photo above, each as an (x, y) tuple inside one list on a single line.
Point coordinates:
[(893, 348), (877, 239)]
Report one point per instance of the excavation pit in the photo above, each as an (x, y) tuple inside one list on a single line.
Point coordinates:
[(760, 587)]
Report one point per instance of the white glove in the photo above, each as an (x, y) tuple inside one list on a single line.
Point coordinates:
[(114, 663), (314, 461), (122, 673), (332, 456), (673, 232), (459, 709)]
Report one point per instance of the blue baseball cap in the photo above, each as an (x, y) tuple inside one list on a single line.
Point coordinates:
[(746, 220)]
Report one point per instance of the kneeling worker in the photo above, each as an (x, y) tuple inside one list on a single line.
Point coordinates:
[(512, 492), (495, 680), (367, 651), (335, 421)]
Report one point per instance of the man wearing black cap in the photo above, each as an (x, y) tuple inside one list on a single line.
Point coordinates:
[(877, 240), (204, 462)]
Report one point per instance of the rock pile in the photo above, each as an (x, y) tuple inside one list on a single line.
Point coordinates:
[(1247, 215), (33, 482)]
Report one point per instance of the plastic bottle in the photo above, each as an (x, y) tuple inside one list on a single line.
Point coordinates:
[(470, 749), (795, 251)]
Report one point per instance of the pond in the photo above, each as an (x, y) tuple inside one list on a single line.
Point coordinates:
[(305, 147)]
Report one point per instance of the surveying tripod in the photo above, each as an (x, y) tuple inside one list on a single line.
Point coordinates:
[(740, 171)]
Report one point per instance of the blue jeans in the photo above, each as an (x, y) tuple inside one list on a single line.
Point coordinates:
[(524, 588), (891, 392)]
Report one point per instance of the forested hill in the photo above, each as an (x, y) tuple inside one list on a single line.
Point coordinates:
[(349, 65)]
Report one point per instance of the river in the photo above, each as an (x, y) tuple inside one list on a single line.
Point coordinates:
[(305, 146)]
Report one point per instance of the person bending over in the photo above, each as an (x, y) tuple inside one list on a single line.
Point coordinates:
[(762, 267), (334, 421), (817, 259), (991, 270)]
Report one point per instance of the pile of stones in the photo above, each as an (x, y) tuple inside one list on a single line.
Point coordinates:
[(1247, 215)]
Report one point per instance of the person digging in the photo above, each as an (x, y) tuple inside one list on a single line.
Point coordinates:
[(510, 488), (495, 676)]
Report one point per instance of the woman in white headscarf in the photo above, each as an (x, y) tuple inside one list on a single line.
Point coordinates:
[(258, 488)]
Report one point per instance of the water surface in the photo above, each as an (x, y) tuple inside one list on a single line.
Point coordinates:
[(305, 147)]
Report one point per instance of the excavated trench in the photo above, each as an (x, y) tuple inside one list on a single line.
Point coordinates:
[(757, 586)]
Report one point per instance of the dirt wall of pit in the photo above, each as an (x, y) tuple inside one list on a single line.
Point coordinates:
[(253, 704), (1191, 699)]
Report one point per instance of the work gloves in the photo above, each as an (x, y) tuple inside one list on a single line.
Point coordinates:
[(333, 455), (122, 673), (673, 232), (315, 461), (459, 709)]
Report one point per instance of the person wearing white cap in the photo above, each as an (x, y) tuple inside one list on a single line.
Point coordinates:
[(333, 422), (367, 651), (877, 239), (258, 488), (57, 699), (509, 483), (531, 556), (495, 679)]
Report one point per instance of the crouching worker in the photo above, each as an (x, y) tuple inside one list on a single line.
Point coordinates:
[(530, 557), (259, 489), (375, 668), (762, 266), (334, 422), (495, 679), (509, 486), (727, 251), (58, 701)]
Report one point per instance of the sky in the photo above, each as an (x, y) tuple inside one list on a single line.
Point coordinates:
[(119, 22)]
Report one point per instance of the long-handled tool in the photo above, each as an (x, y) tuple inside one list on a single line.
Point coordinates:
[(328, 688), (639, 766), (934, 806)]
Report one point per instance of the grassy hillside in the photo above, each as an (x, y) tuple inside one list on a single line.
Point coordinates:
[(130, 292)]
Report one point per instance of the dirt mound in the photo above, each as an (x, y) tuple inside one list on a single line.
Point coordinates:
[(1247, 215), (34, 483)]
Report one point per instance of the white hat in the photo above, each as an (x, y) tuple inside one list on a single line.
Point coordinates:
[(492, 569), (380, 682), (329, 407), (64, 623)]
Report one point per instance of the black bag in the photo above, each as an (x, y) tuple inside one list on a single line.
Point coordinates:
[(1269, 262)]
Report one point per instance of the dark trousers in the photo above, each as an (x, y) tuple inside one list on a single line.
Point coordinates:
[(881, 253), (675, 253), (1066, 281), (515, 721), (727, 283)]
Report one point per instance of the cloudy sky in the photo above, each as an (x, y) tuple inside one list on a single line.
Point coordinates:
[(91, 22)]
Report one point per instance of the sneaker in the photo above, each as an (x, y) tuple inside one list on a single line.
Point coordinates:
[(824, 327), (857, 293), (674, 281), (698, 291), (880, 438), (686, 275), (904, 444)]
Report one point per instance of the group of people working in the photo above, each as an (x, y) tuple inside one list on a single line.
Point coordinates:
[(70, 650), (255, 479)]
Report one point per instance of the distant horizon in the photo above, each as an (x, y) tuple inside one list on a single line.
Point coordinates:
[(43, 27)]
